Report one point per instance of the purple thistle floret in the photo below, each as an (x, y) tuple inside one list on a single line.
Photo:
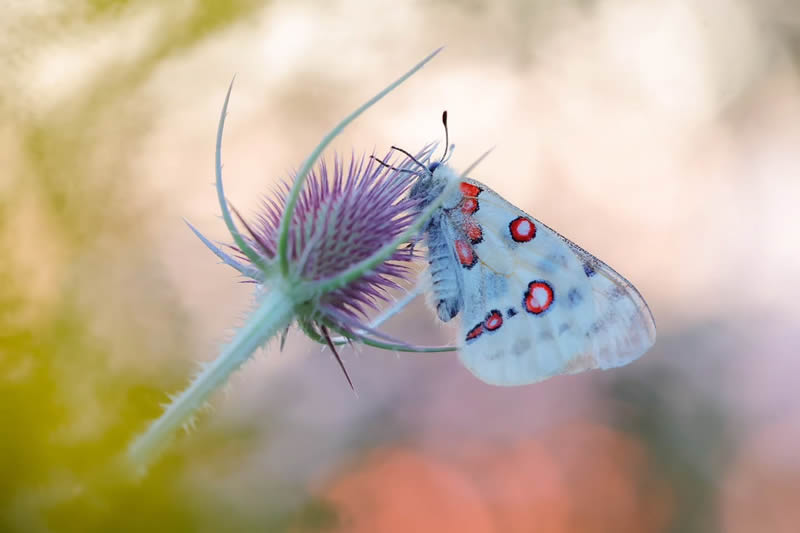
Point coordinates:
[(344, 215)]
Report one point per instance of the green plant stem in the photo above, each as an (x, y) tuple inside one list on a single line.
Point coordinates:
[(274, 313), (383, 345), (223, 203)]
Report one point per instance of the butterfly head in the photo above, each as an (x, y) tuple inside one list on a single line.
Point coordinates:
[(430, 183), (434, 177)]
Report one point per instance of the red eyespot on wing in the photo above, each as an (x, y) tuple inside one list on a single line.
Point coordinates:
[(473, 231), (469, 206), (493, 320), (475, 332), (468, 189), (522, 229), (538, 298), (466, 255)]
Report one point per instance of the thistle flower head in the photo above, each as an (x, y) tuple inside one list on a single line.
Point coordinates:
[(344, 215), (326, 248)]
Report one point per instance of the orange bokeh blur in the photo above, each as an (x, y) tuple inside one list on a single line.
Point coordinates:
[(579, 477)]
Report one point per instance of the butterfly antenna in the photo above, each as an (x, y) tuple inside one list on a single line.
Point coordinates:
[(387, 165), (446, 136), (414, 159), (336, 354)]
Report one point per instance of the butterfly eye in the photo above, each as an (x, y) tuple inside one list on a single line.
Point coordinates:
[(433, 166)]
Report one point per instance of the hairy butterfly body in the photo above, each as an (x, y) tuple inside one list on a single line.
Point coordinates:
[(533, 304)]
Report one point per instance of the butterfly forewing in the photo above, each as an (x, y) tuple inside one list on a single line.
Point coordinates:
[(535, 305)]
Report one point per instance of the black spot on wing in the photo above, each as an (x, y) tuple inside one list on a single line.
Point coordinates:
[(574, 297)]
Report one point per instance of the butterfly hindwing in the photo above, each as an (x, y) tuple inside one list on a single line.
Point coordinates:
[(624, 327), (534, 305)]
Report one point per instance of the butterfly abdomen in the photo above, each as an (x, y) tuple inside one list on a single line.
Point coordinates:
[(447, 295)]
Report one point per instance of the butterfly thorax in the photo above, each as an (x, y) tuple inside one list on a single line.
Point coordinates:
[(438, 237), (430, 185)]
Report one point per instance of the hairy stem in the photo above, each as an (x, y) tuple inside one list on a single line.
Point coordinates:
[(274, 313)]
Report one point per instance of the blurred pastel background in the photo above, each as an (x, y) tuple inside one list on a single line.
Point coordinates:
[(662, 136)]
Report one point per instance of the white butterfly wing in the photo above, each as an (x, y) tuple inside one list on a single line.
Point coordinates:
[(535, 304), (624, 328)]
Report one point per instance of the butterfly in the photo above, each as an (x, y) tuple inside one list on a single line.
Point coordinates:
[(533, 304)]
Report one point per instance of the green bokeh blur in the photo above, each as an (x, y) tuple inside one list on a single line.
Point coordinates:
[(66, 410)]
